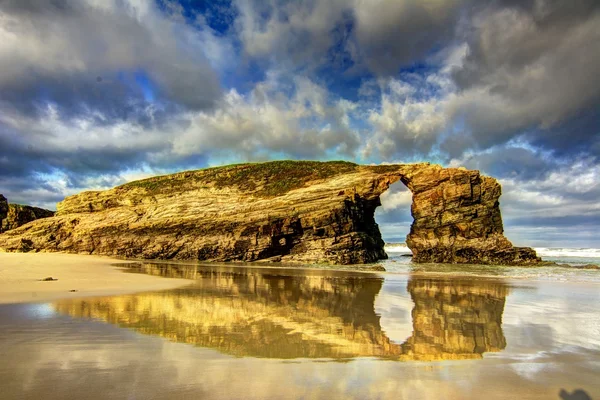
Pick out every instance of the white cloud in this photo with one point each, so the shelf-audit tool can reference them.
(307, 123)
(397, 196)
(46, 44)
(300, 32)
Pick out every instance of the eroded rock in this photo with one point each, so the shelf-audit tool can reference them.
(457, 219)
(286, 211)
(16, 215)
(3, 207)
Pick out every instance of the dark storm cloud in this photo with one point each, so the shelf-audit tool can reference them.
(530, 69)
(578, 134)
(539, 28)
(76, 94)
(512, 162)
(20, 157)
(25, 168)
(398, 33)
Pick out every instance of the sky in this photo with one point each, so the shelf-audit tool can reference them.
(95, 93)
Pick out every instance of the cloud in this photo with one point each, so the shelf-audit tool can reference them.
(298, 33)
(528, 69)
(379, 36)
(409, 117)
(109, 57)
(390, 34)
(305, 122)
(510, 161)
(568, 191)
(522, 72)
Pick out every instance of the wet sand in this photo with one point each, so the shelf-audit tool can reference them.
(21, 277)
(265, 333)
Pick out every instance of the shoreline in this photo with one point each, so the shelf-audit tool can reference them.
(372, 269)
(83, 275)
(78, 275)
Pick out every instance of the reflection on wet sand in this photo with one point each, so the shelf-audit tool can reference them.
(284, 314)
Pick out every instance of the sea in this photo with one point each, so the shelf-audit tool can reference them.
(400, 261)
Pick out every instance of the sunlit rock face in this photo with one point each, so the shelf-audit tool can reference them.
(290, 211)
(15, 215)
(19, 215)
(262, 313)
(457, 219)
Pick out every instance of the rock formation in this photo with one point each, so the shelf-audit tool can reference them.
(264, 313)
(457, 219)
(3, 208)
(15, 215)
(288, 211)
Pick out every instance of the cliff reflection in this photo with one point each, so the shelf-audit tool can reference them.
(284, 314)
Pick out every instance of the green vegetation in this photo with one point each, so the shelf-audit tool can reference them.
(269, 179)
(382, 169)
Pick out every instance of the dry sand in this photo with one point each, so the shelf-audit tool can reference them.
(21, 274)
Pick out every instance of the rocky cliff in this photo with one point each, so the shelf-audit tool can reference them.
(280, 211)
(15, 215)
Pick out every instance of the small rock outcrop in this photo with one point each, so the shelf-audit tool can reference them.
(3, 207)
(15, 215)
(299, 211)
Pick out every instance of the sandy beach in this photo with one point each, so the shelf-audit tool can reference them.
(22, 274)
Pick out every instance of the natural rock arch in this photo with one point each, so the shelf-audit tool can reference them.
(293, 211)
(457, 219)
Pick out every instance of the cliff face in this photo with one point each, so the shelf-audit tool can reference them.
(281, 211)
(15, 215)
(457, 219)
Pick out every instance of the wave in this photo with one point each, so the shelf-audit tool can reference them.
(567, 252)
(399, 248)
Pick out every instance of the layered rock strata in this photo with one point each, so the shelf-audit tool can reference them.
(280, 211)
(15, 215)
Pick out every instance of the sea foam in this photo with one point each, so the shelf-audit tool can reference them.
(567, 252)
(401, 248)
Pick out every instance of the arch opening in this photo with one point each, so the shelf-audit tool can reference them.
(394, 218)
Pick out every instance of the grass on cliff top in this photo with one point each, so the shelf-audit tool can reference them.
(269, 179)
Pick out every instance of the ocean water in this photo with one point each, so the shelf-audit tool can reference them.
(399, 261)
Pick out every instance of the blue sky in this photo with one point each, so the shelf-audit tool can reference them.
(94, 93)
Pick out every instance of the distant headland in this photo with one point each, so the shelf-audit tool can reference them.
(290, 211)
